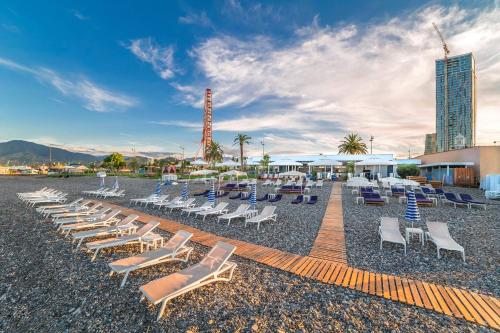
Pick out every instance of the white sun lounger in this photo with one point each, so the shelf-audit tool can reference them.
(173, 250)
(267, 214)
(165, 203)
(106, 220)
(389, 231)
(81, 206)
(217, 210)
(206, 206)
(440, 235)
(135, 238)
(75, 203)
(84, 212)
(97, 215)
(125, 226)
(189, 203)
(239, 212)
(57, 198)
(209, 270)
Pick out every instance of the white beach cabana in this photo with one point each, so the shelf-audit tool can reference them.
(324, 162)
(229, 163)
(375, 162)
(204, 172)
(235, 173)
(199, 162)
(289, 164)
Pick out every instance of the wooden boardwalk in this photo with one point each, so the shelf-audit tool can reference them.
(330, 241)
(460, 303)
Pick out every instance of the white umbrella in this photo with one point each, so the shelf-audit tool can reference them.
(203, 172)
(199, 162)
(325, 162)
(236, 173)
(293, 173)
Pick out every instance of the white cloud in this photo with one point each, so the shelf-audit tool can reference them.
(376, 79)
(197, 19)
(160, 57)
(178, 123)
(95, 98)
(79, 15)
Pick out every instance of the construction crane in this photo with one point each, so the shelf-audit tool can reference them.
(206, 139)
(446, 52)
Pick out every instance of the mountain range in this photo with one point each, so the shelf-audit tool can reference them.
(25, 152)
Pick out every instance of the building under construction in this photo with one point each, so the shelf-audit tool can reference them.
(455, 102)
(206, 138)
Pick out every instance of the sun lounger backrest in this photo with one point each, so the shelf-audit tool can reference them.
(451, 196)
(389, 223)
(221, 206)
(268, 211)
(146, 229)
(128, 219)
(466, 197)
(438, 229)
(178, 240)
(241, 208)
(219, 254)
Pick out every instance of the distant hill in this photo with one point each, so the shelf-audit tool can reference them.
(25, 152)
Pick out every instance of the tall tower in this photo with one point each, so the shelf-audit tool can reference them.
(206, 139)
(455, 102)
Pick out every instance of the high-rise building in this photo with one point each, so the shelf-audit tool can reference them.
(430, 143)
(455, 102)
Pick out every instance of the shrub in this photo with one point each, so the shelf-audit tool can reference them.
(405, 170)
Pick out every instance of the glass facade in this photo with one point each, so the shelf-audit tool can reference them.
(430, 143)
(455, 101)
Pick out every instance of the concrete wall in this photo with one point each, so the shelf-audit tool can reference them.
(490, 160)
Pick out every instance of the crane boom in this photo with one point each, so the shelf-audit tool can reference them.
(445, 47)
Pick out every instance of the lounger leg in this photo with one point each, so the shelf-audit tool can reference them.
(124, 279)
(79, 243)
(463, 255)
(111, 273)
(162, 308)
(439, 255)
(95, 255)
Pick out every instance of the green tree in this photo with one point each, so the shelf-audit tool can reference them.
(114, 161)
(352, 144)
(241, 140)
(133, 164)
(214, 152)
(265, 160)
(405, 170)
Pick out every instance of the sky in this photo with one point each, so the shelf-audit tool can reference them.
(129, 76)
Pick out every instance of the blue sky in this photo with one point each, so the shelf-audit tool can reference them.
(102, 76)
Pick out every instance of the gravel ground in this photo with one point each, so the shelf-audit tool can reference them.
(476, 230)
(295, 230)
(47, 287)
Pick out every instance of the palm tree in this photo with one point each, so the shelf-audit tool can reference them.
(241, 139)
(214, 152)
(352, 144)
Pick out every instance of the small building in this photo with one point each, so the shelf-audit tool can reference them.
(481, 160)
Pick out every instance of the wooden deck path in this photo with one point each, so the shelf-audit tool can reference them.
(460, 303)
(330, 241)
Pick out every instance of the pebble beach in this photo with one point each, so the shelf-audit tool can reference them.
(47, 286)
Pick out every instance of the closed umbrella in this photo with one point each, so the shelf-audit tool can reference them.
(116, 185)
(185, 192)
(158, 188)
(102, 183)
(252, 199)
(211, 195)
(412, 215)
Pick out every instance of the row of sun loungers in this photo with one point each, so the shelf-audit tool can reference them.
(437, 233)
(43, 196)
(106, 193)
(116, 232)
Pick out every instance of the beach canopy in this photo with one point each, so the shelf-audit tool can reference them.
(203, 172)
(252, 163)
(285, 163)
(412, 215)
(392, 180)
(325, 162)
(375, 161)
(293, 173)
(236, 173)
(228, 163)
(199, 162)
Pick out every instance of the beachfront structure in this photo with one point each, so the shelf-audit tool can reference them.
(386, 166)
(481, 160)
(455, 102)
(430, 143)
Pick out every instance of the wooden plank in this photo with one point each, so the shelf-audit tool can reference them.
(335, 273)
(352, 282)
(392, 285)
(468, 306)
(324, 270)
(378, 282)
(366, 278)
(440, 300)
(311, 268)
(423, 295)
(311, 264)
(449, 302)
(329, 273)
(478, 307)
(458, 304)
(347, 277)
(432, 298)
(491, 303)
(399, 289)
(371, 284)
(317, 270)
(407, 291)
(415, 294)
(340, 277)
(385, 285)
(495, 320)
